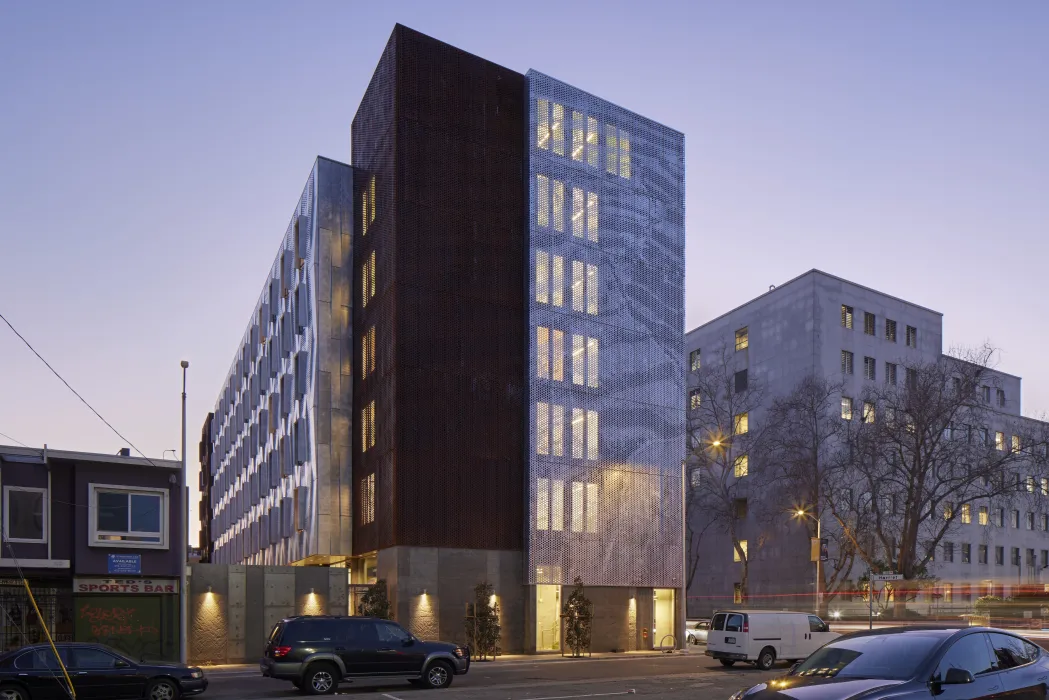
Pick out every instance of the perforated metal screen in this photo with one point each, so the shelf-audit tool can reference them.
(606, 322)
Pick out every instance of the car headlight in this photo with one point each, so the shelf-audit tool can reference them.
(738, 695)
(458, 651)
(196, 673)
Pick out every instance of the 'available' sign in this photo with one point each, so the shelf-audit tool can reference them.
(123, 585)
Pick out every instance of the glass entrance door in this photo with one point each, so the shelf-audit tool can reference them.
(662, 617)
(547, 617)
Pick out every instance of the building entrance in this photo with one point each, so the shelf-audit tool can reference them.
(547, 617)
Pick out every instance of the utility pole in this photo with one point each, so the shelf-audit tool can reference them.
(183, 538)
(870, 598)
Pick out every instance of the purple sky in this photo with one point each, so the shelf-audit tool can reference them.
(152, 154)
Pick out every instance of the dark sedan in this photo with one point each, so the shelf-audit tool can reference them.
(908, 663)
(97, 672)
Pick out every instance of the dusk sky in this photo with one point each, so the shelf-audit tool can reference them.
(152, 154)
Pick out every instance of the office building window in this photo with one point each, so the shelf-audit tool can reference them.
(999, 441)
(367, 206)
(966, 512)
(591, 216)
(695, 360)
(578, 285)
(578, 432)
(986, 394)
(591, 289)
(890, 330)
(737, 593)
(543, 124)
(948, 551)
(912, 337)
(1030, 484)
(740, 381)
(557, 129)
(1045, 558)
(559, 206)
(890, 373)
(966, 553)
(736, 551)
(617, 149)
(557, 505)
(846, 362)
(368, 499)
(742, 339)
(1030, 521)
(25, 514)
(542, 428)
(869, 364)
(999, 517)
(368, 426)
(1045, 522)
(741, 466)
(368, 353)
(982, 515)
(1016, 443)
(982, 554)
(578, 212)
(558, 365)
(868, 323)
(591, 435)
(557, 430)
(578, 359)
(868, 412)
(542, 361)
(542, 200)
(846, 408)
(368, 280)
(1001, 397)
(122, 517)
(999, 556)
(578, 492)
(591, 142)
(694, 399)
(542, 277)
(542, 504)
(592, 365)
(1015, 518)
(592, 508)
(1014, 556)
(912, 378)
(578, 125)
(1044, 486)
(557, 296)
(846, 316)
(740, 424)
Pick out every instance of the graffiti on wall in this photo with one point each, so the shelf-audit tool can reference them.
(129, 624)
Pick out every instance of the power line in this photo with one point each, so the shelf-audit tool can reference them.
(68, 386)
(13, 440)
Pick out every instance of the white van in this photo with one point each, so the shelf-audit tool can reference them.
(763, 637)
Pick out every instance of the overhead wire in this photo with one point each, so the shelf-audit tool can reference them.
(4, 435)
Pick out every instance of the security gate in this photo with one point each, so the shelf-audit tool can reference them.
(19, 624)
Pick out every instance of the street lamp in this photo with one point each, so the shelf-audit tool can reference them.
(183, 535)
(802, 513)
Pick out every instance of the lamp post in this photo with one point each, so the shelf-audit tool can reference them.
(800, 513)
(183, 537)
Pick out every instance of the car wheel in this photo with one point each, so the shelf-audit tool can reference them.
(162, 689)
(320, 679)
(727, 662)
(766, 658)
(12, 692)
(438, 675)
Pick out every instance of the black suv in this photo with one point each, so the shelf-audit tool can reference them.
(315, 653)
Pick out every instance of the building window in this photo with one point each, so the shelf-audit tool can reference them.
(591, 217)
(557, 431)
(1045, 523)
(986, 394)
(846, 408)
(558, 372)
(694, 399)
(368, 353)
(912, 337)
(1030, 484)
(542, 428)
(999, 441)
(578, 492)
(1044, 486)
(542, 359)
(617, 148)
(1015, 518)
(912, 378)
(25, 514)
(846, 316)
(591, 142)
(542, 277)
(577, 135)
(542, 200)
(557, 295)
(999, 556)
(890, 373)
(592, 366)
(368, 280)
(982, 554)
(740, 381)
(578, 359)
(368, 426)
(966, 553)
(578, 285)
(737, 593)
(869, 365)
(542, 504)
(557, 129)
(846, 362)
(578, 212)
(557, 505)
(559, 206)
(368, 499)
(1016, 443)
(742, 339)
(890, 330)
(1015, 556)
(1045, 558)
(982, 515)
(868, 412)
(1000, 517)
(868, 323)
(948, 551)
(966, 514)
(367, 206)
(1030, 521)
(543, 124)
(741, 466)
(695, 360)
(740, 424)
(735, 551)
(126, 517)
(1001, 397)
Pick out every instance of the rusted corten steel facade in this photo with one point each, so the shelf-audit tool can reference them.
(440, 208)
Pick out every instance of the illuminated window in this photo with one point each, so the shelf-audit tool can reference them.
(846, 408)
(578, 359)
(1044, 486)
(591, 507)
(742, 339)
(543, 124)
(999, 441)
(578, 432)
(591, 289)
(368, 353)
(368, 280)
(890, 330)
(1016, 443)
(542, 504)
(624, 155)
(1030, 484)
(559, 356)
(591, 362)
(542, 277)
(591, 142)
(578, 212)
(559, 206)
(611, 150)
(557, 129)
(694, 399)
(558, 431)
(868, 412)
(368, 426)
(542, 428)
(737, 593)
(740, 424)
(578, 494)
(542, 341)
(542, 200)
(364, 212)
(577, 136)
(557, 506)
(591, 435)
(846, 316)
(558, 295)
(741, 466)
(967, 516)
(368, 499)
(591, 216)
(846, 362)
(695, 360)
(735, 551)
(578, 289)
(948, 511)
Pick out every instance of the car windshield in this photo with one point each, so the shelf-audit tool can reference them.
(888, 656)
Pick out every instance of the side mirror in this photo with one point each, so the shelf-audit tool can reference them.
(122, 664)
(408, 642)
(957, 676)
(793, 668)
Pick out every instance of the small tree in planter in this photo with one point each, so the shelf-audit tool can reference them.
(375, 602)
(482, 622)
(578, 614)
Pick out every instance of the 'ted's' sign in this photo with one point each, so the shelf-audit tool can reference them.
(123, 586)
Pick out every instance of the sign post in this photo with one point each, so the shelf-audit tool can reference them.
(871, 578)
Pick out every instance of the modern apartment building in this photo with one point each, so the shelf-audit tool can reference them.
(516, 259)
(824, 325)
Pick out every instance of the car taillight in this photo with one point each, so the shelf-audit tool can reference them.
(746, 626)
(278, 652)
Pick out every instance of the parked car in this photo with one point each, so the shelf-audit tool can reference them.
(316, 653)
(762, 637)
(696, 631)
(97, 671)
(915, 663)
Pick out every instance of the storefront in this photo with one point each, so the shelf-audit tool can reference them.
(138, 616)
(19, 623)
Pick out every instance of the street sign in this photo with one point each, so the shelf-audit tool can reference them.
(887, 577)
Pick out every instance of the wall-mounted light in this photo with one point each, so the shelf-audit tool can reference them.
(311, 592)
(209, 589)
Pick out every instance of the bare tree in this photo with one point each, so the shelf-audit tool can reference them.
(727, 439)
(928, 454)
(807, 442)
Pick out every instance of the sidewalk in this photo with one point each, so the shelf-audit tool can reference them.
(506, 660)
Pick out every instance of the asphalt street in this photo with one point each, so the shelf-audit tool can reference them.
(666, 676)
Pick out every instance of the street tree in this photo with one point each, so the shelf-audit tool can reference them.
(375, 601)
(578, 615)
(482, 622)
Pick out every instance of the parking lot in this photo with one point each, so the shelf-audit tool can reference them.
(659, 675)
